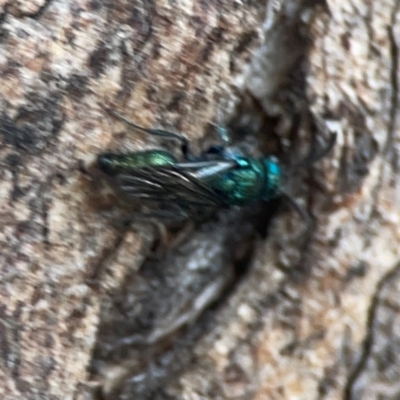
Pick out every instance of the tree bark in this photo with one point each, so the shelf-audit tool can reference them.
(88, 313)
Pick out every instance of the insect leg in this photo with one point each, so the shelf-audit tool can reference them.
(304, 236)
(157, 219)
(304, 215)
(324, 151)
(156, 132)
(313, 156)
(183, 235)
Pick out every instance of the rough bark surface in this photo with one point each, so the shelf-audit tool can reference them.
(86, 314)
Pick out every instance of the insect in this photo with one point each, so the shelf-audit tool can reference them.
(194, 186)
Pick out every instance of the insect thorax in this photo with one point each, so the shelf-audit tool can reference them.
(272, 178)
(252, 180)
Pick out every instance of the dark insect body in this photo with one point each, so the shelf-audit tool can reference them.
(194, 186)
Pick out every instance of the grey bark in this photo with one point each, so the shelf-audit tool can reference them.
(87, 312)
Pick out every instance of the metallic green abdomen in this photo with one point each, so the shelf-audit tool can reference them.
(114, 164)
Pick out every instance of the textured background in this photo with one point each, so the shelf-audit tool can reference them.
(316, 318)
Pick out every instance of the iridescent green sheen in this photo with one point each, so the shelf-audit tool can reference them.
(249, 182)
(273, 178)
(114, 164)
(195, 186)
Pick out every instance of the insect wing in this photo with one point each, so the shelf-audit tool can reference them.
(179, 183)
(207, 170)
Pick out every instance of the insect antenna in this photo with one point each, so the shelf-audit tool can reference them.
(223, 135)
(221, 129)
(156, 132)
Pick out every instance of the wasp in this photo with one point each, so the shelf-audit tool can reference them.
(195, 186)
